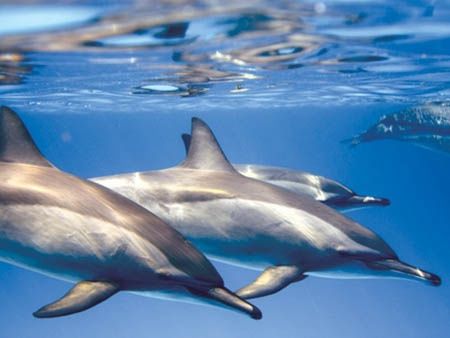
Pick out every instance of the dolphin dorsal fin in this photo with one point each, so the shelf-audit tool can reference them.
(16, 144)
(186, 141)
(204, 151)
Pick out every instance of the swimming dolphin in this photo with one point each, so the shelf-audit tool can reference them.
(62, 226)
(250, 223)
(322, 189)
(426, 125)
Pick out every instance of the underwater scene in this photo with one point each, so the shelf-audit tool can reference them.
(213, 169)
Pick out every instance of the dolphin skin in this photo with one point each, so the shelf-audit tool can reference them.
(427, 125)
(322, 189)
(250, 223)
(68, 228)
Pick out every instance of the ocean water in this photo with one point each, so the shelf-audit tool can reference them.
(108, 87)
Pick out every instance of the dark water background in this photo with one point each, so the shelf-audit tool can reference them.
(109, 87)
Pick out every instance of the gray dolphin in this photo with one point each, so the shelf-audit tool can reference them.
(427, 125)
(322, 189)
(62, 226)
(250, 223)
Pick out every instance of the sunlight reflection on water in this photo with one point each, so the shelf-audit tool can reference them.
(343, 52)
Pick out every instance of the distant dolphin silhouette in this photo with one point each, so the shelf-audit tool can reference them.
(247, 222)
(426, 125)
(57, 224)
(322, 189)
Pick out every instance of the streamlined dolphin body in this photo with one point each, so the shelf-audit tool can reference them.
(72, 229)
(426, 125)
(247, 222)
(322, 189)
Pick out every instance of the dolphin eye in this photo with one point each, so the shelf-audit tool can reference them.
(376, 266)
(163, 274)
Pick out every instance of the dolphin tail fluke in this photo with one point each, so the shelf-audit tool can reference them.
(407, 271)
(82, 296)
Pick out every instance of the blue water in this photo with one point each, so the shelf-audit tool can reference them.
(109, 87)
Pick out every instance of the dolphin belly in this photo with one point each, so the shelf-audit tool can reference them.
(44, 239)
(347, 270)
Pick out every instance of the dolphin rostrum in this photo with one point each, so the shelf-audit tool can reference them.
(426, 125)
(247, 222)
(322, 189)
(65, 227)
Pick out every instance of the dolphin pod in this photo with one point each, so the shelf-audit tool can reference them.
(426, 125)
(322, 189)
(68, 228)
(250, 223)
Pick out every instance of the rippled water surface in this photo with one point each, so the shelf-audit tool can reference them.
(235, 54)
(109, 87)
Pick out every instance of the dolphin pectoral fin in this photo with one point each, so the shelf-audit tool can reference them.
(272, 280)
(82, 296)
(229, 300)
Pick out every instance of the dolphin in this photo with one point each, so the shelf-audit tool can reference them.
(250, 223)
(72, 229)
(322, 189)
(426, 125)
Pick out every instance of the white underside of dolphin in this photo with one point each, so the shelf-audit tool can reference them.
(71, 229)
(247, 222)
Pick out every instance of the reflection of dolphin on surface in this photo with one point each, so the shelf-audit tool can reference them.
(68, 228)
(427, 125)
(322, 189)
(254, 224)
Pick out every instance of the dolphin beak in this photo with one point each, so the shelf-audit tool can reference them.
(352, 141)
(356, 202)
(431, 278)
(369, 200)
(406, 271)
